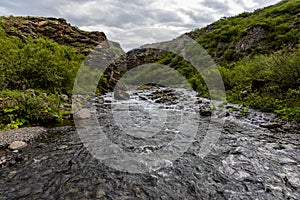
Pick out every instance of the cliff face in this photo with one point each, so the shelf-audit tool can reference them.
(55, 29)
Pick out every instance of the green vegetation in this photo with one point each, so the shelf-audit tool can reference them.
(248, 34)
(279, 74)
(258, 56)
(34, 75)
(21, 108)
(261, 46)
(37, 64)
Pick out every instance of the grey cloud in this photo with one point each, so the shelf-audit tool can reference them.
(31, 7)
(133, 22)
(120, 15)
(199, 16)
(163, 16)
(221, 7)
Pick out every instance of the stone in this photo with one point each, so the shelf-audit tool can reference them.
(83, 114)
(12, 174)
(270, 125)
(17, 145)
(121, 95)
(42, 23)
(205, 112)
(101, 100)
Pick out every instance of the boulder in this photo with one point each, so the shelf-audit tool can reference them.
(17, 145)
(121, 95)
(83, 114)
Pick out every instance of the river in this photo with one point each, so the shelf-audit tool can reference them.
(245, 161)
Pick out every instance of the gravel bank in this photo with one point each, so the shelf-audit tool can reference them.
(22, 134)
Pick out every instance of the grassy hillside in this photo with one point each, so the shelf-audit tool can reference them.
(258, 55)
(248, 34)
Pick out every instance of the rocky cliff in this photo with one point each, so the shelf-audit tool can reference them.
(55, 29)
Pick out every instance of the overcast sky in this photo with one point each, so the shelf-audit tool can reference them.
(133, 23)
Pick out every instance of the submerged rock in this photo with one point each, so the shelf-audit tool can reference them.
(121, 95)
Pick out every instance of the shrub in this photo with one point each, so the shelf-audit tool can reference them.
(20, 108)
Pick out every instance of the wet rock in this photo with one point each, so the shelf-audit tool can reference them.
(17, 145)
(205, 112)
(270, 125)
(121, 95)
(100, 100)
(3, 160)
(108, 101)
(63, 147)
(83, 114)
(143, 98)
(199, 101)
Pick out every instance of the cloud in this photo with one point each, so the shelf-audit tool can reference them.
(136, 22)
(217, 5)
(3, 11)
(31, 7)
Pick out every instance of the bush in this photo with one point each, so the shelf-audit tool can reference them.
(20, 108)
(38, 63)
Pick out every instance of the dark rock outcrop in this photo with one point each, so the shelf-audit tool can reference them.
(251, 40)
(55, 29)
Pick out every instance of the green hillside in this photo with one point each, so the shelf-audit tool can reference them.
(258, 55)
(248, 34)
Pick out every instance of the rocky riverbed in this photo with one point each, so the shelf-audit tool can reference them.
(255, 156)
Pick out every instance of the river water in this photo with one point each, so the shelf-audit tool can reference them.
(246, 161)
